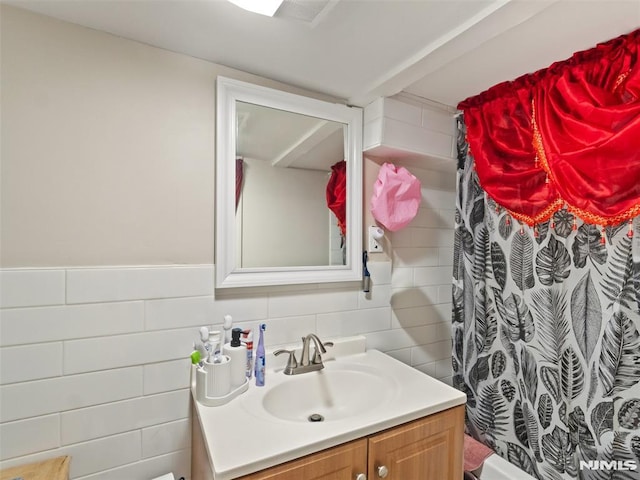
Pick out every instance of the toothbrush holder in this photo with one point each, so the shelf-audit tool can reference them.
(211, 383)
(218, 377)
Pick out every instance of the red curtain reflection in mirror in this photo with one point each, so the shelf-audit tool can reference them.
(337, 194)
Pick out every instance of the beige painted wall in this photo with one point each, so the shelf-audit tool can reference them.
(107, 148)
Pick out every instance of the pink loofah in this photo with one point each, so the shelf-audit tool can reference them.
(396, 197)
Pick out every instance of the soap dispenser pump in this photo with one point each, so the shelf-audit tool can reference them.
(237, 352)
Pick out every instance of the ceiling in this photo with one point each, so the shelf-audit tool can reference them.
(358, 50)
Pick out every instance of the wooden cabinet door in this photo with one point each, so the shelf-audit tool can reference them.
(426, 449)
(343, 462)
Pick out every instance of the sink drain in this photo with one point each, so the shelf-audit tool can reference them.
(316, 417)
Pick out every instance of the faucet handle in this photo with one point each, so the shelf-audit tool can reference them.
(316, 356)
(292, 363)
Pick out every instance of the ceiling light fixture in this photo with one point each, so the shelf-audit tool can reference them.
(263, 7)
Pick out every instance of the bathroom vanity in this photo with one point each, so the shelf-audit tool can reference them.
(429, 448)
(379, 419)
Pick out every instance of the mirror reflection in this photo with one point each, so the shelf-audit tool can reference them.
(290, 189)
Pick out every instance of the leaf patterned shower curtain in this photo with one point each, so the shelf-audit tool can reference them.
(546, 341)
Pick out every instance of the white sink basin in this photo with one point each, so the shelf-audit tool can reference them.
(339, 390)
(358, 393)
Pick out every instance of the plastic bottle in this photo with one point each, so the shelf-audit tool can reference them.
(210, 344)
(214, 346)
(217, 352)
(247, 340)
(260, 357)
(238, 355)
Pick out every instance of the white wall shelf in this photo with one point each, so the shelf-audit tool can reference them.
(398, 130)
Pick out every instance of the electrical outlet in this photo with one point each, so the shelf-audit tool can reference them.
(374, 245)
(375, 239)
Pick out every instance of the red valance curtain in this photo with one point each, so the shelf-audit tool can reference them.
(568, 135)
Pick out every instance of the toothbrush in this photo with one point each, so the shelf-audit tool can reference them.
(226, 325)
(196, 357)
(204, 336)
(260, 357)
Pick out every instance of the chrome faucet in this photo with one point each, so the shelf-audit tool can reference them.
(305, 365)
(317, 359)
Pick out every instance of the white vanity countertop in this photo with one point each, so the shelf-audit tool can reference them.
(240, 441)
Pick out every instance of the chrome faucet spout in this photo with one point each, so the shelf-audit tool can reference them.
(305, 360)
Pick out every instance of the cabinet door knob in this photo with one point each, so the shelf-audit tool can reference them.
(361, 476)
(383, 471)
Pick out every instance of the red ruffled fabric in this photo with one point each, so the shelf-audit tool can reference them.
(337, 194)
(566, 135)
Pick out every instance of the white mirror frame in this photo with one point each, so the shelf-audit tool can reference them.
(228, 274)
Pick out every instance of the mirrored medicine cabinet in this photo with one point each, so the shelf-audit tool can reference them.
(288, 188)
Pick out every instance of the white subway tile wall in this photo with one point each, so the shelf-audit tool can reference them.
(422, 258)
(166, 438)
(26, 436)
(31, 287)
(94, 362)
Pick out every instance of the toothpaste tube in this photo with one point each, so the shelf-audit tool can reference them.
(247, 339)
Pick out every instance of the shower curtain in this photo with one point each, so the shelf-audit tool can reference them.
(546, 340)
